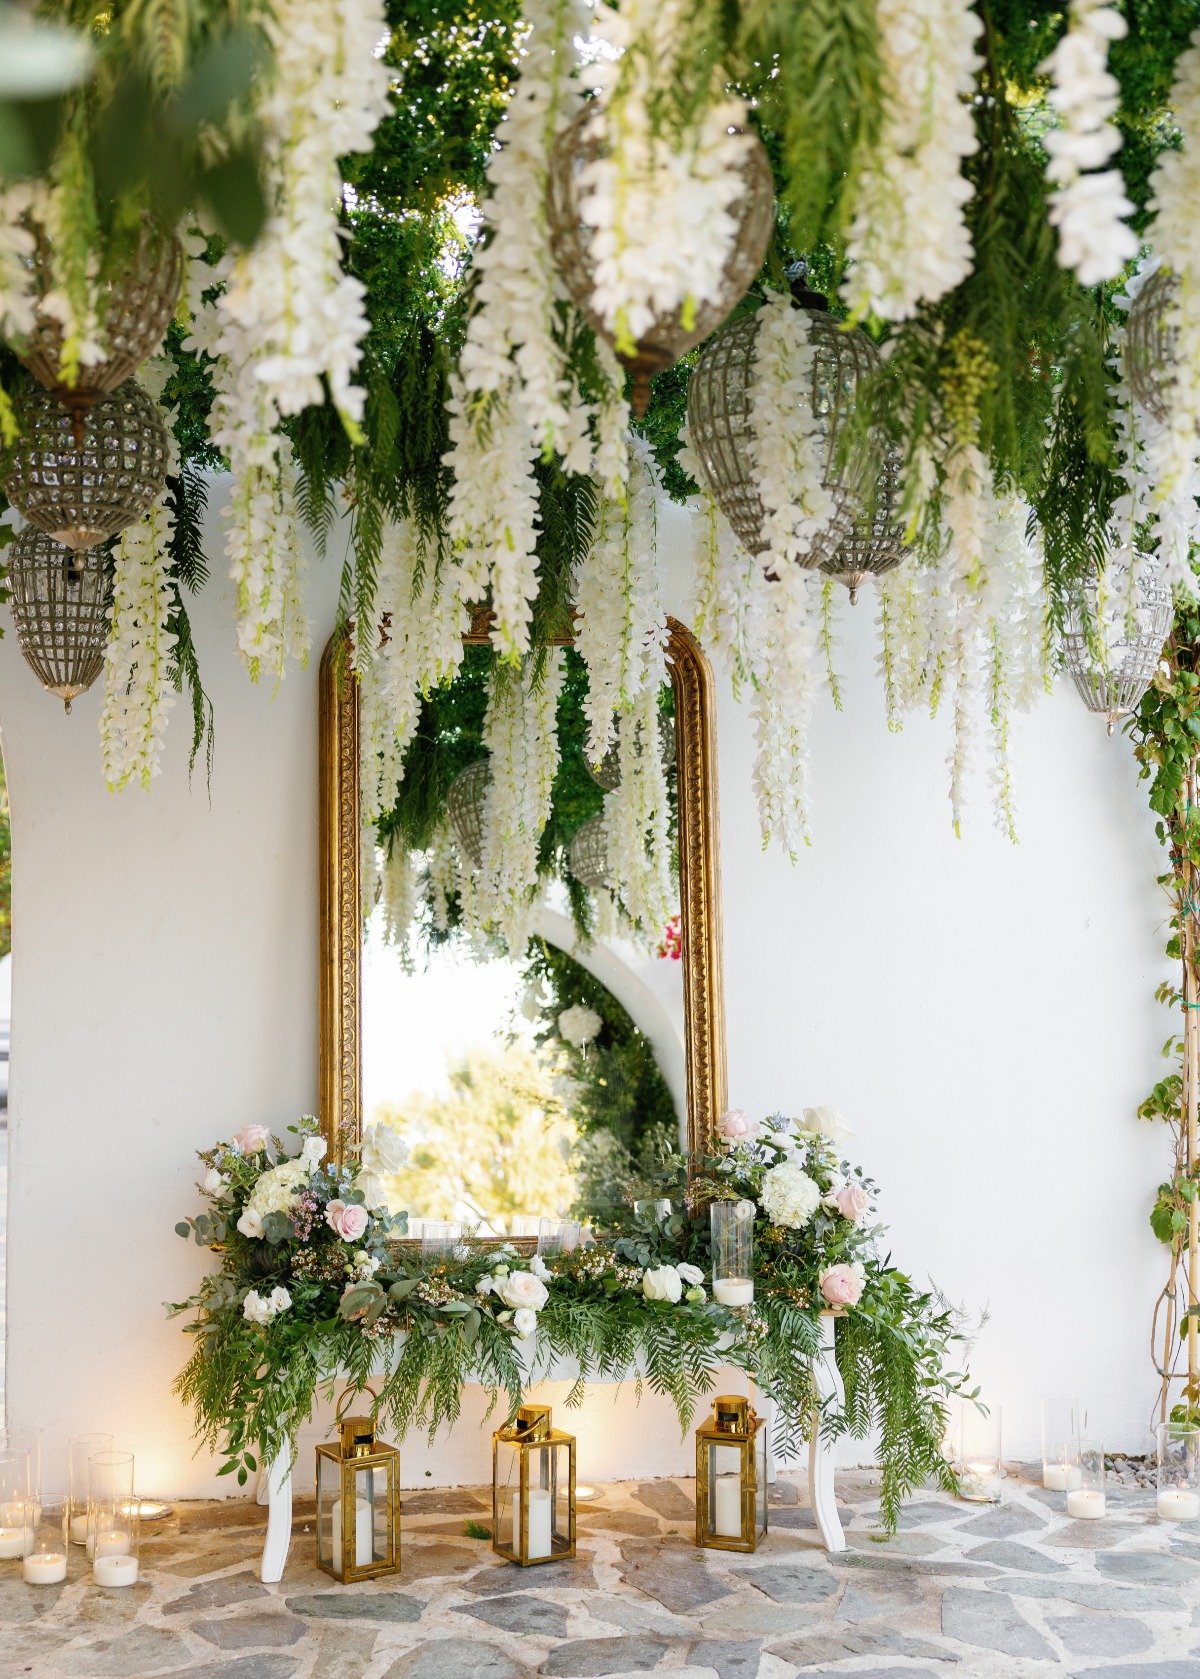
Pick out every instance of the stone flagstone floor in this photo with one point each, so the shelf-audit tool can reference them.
(1006, 1592)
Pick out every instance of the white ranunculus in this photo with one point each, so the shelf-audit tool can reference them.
(256, 1309)
(690, 1273)
(539, 1267)
(251, 1224)
(521, 1288)
(214, 1182)
(383, 1150)
(313, 1151)
(789, 1196)
(827, 1122)
(524, 1321)
(579, 1025)
(744, 1210)
(280, 1300)
(662, 1283)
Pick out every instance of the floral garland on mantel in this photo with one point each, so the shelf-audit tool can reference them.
(315, 1280)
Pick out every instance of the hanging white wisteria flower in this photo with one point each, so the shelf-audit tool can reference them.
(782, 655)
(1089, 202)
(637, 844)
(621, 628)
(262, 545)
(138, 692)
(1172, 449)
(785, 439)
(909, 242)
(661, 204)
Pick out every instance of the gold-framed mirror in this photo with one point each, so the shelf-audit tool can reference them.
(341, 926)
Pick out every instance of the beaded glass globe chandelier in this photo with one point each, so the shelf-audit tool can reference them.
(60, 603)
(1113, 666)
(82, 493)
(874, 544)
(588, 855)
(571, 244)
(1150, 342)
(466, 802)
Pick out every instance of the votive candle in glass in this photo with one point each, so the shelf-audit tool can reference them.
(112, 1540)
(1060, 1442)
(80, 1449)
(45, 1561)
(17, 1510)
(1085, 1500)
(731, 1224)
(977, 1462)
(1178, 1471)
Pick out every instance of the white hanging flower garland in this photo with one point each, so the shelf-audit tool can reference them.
(784, 435)
(637, 847)
(1089, 202)
(909, 243)
(138, 693)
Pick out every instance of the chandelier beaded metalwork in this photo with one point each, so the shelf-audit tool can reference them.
(136, 305)
(1113, 665)
(1151, 342)
(588, 855)
(80, 494)
(875, 544)
(466, 805)
(607, 773)
(571, 245)
(718, 415)
(60, 607)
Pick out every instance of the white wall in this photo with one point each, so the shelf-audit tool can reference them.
(981, 1013)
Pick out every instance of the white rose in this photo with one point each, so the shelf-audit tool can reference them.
(251, 1224)
(789, 1196)
(579, 1025)
(662, 1283)
(524, 1321)
(690, 1273)
(214, 1182)
(539, 1267)
(383, 1150)
(280, 1300)
(313, 1151)
(256, 1309)
(521, 1288)
(826, 1122)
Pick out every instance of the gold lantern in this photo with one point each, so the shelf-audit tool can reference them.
(533, 1489)
(731, 1476)
(358, 1472)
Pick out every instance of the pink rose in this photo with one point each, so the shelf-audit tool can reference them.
(842, 1285)
(251, 1138)
(737, 1127)
(851, 1201)
(347, 1219)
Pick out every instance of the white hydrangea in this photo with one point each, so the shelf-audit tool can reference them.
(579, 1025)
(789, 1196)
(277, 1189)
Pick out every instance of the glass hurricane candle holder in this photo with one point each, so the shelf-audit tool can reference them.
(731, 1476)
(533, 1489)
(80, 1450)
(112, 1534)
(550, 1239)
(1085, 1500)
(439, 1237)
(45, 1561)
(16, 1507)
(732, 1227)
(1060, 1443)
(1178, 1471)
(977, 1464)
(360, 1472)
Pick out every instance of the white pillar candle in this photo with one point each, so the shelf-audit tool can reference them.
(79, 1530)
(1085, 1504)
(727, 1517)
(115, 1570)
(733, 1291)
(539, 1525)
(1061, 1477)
(364, 1534)
(1178, 1504)
(44, 1568)
(15, 1541)
(111, 1542)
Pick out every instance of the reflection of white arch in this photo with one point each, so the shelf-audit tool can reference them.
(648, 1014)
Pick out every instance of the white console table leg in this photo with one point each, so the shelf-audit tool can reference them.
(821, 1495)
(279, 1519)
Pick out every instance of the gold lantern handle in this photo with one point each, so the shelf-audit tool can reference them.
(358, 1433)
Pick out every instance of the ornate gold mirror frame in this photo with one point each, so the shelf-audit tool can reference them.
(699, 892)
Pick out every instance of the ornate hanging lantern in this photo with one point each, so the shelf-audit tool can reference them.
(358, 1472)
(731, 1477)
(1113, 680)
(60, 607)
(533, 1489)
(874, 544)
(718, 415)
(571, 244)
(466, 802)
(1151, 342)
(82, 493)
(588, 855)
(136, 308)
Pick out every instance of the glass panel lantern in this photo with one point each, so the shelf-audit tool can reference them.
(358, 1472)
(533, 1489)
(731, 1476)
